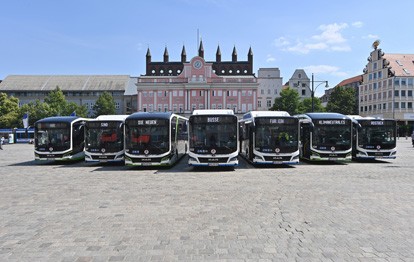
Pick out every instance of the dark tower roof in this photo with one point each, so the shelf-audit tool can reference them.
(183, 55)
(165, 55)
(221, 68)
(234, 55)
(201, 50)
(148, 56)
(250, 56)
(218, 54)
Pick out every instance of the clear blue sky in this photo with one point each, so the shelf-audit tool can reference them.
(331, 39)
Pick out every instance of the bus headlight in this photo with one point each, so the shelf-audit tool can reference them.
(165, 159)
(233, 159)
(192, 159)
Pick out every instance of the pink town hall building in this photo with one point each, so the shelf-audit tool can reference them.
(183, 86)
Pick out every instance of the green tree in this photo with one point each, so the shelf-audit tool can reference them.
(105, 105)
(37, 110)
(342, 100)
(9, 111)
(288, 101)
(71, 107)
(57, 102)
(305, 105)
(60, 107)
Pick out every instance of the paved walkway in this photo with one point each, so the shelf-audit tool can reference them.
(308, 212)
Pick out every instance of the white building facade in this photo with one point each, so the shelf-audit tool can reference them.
(270, 85)
(387, 87)
(300, 82)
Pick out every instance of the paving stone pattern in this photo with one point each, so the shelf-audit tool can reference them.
(360, 211)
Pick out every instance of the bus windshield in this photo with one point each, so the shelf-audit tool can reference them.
(151, 135)
(106, 135)
(220, 133)
(370, 137)
(53, 135)
(325, 137)
(282, 134)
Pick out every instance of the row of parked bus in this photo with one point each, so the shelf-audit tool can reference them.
(215, 138)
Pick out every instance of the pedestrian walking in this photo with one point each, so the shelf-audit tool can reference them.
(1, 142)
(412, 138)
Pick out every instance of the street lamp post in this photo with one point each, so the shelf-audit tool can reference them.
(314, 89)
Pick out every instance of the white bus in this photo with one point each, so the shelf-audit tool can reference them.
(155, 138)
(60, 138)
(269, 137)
(325, 136)
(213, 138)
(374, 138)
(104, 139)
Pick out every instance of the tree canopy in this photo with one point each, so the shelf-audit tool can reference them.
(9, 108)
(288, 101)
(54, 104)
(105, 105)
(342, 100)
(305, 105)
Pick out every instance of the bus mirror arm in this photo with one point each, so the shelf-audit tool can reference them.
(311, 126)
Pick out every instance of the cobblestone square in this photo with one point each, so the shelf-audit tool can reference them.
(359, 211)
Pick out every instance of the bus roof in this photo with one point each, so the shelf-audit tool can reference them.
(64, 119)
(150, 115)
(213, 112)
(110, 118)
(362, 118)
(323, 115)
(265, 114)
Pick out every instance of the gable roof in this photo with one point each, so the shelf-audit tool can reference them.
(401, 64)
(355, 79)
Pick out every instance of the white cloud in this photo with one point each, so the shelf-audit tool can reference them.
(317, 46)
(281, 41)
(330, 39)
(370, 36)
(331, 33)
(270, 59)
(358, 24)
(325, 69)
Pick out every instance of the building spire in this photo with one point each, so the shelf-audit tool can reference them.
(250, 56)
(218, 54)
(166, 55)
(234, 55)
(201, 49)
(148, 56)
(183, 55)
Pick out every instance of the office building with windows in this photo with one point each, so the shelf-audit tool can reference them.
(300, 82)
(183, 86)
(387, 87)
(269, 86)
(81, 89)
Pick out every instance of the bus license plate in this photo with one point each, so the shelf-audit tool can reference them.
(277, 162)
(213, 164)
